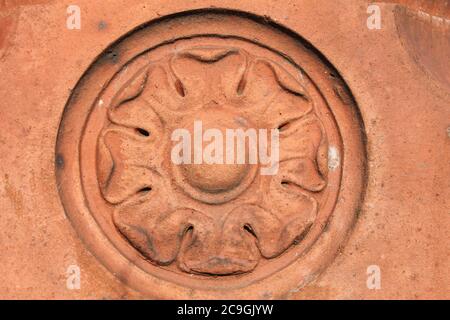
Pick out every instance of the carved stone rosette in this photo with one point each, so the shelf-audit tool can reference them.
(171, 230)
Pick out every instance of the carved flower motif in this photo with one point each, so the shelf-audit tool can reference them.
(211, 219)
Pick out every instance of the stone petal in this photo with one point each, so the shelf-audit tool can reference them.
(160, 237)
(286, 108)
(209, 73)
(223, 252)
(301, 138)
(130, 146)
(161, 91)
(265, 80)
(288, 82)
(132, 88)
(208, 54)
(261, 85)
(244, 221)
(288, 200)
(126, 181)
(295, 209)
(138, 114)
(129, 171)
(302, 172)
(250, 227)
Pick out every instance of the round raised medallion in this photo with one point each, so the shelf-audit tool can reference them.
(212, 155)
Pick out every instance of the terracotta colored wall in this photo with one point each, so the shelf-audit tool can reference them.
(93, 206)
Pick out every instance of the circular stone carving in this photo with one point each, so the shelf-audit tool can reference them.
(170, 229)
